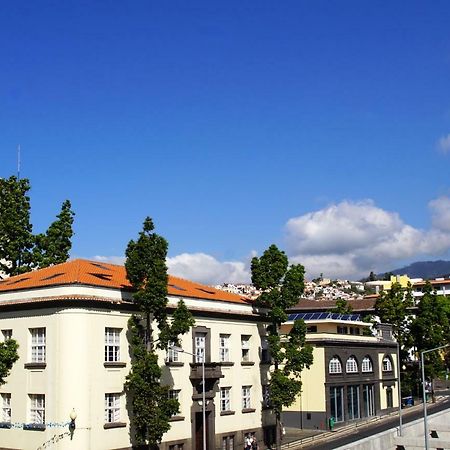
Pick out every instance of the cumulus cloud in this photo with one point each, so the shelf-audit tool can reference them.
(349, 239)
(443, 144)
(206, 269)
(198, 267)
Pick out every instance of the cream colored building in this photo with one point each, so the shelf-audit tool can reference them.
(70, 321)
(353, 376)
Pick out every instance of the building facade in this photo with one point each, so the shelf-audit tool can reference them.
(353, 376)
(71, 322)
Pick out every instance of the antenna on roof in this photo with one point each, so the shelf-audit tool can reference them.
(18, 162)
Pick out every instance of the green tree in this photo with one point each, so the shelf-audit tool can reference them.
(281, 287)
(372, 276)
(430, 329)
(16, 238)
(54, 246)
(151, 330)
(342, 307)
(393, 306)
(8, 356)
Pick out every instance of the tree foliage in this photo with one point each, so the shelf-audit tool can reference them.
(8, 356)
(394, 307)
(430, 329)
(151, 330)
(16, 238)
(54, 246)
(20, 250)
(342, 307)
(281, 287)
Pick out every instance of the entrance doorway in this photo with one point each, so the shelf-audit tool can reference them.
(199, 430)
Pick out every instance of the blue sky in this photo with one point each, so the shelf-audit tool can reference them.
(323, 127)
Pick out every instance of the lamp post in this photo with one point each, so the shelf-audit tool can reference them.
(181, 350)
(400, 417)
(425, 424)
(73, 416)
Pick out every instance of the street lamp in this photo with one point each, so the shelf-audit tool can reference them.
(73, 416)
(399, 392)
(425, 424)
(181, 350)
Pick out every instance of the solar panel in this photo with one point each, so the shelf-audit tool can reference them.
(324, 316)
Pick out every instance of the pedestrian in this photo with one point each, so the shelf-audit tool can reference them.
(254, 442)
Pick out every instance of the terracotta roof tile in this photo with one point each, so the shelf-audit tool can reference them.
(94, 273)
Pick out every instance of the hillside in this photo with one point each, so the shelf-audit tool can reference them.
(425, 269)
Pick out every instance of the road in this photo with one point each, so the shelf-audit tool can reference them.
(370, 430)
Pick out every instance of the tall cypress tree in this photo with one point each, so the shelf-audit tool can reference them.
(151, 330)
(281, 287)
(54, 246)
(16, 238)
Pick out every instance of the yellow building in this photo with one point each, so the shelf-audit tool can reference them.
(353, 376)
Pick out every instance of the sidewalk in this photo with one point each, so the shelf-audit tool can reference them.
(297, 438)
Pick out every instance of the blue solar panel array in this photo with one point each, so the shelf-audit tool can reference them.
(324, 316)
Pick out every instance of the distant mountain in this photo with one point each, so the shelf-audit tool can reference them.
(424, 269)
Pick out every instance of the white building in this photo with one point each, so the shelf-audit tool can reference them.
(70, 321)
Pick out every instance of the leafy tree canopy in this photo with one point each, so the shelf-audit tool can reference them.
(8, 356)
(147, 271)
(342, 307)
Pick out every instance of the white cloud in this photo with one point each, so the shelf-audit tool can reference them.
(443, 144)
(206, 269)
(198, 267)
(349, 239)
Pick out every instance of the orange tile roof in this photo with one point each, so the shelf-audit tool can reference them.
(94, 273)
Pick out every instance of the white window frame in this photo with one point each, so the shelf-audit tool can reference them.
(112, 407)
(7, 334)
(351, 366)
(387, 364)
(245, 347)
(246, 397)
(366, 365)
(200, 347)
(335, 365)
(38, 344)
(172, 354)
(37, 408)
(225, 401)
(224, 347)
(6, 407)
(112, 344)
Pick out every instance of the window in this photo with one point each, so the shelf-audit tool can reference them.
(387, 364)
(172, 354)
(200, 347)
(369, 399)
(176, 447)
(7, 334)
(351, 365)
(37, 345)
(174, 393)
(245, 346)
(224, 347)
(353, 402)
(311, 329)
(6, 408)
(225, 404)
(335, 365)
(265, 353)
(337, 403)
(366, 365)
(389, 398)
(37, 408)
(228, 443)
(342, 330)
(246, 404)
(112, 408)
(112, 344)
(265, 396)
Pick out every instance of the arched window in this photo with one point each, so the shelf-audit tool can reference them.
(366, 365)
(387, 364)
(351, 366)
(335, 365)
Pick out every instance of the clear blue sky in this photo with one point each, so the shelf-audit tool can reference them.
(223, 120)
